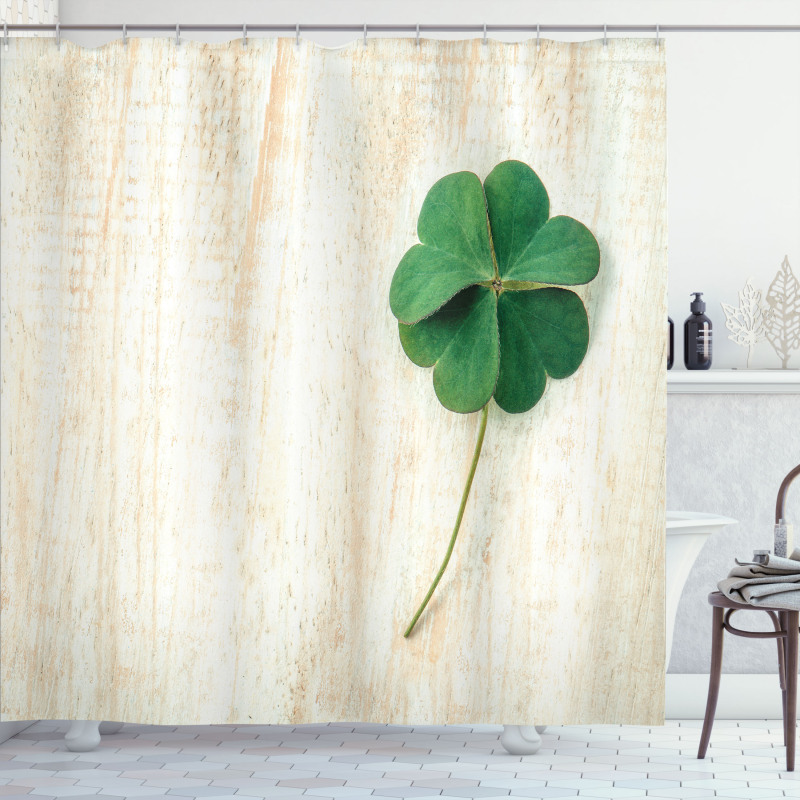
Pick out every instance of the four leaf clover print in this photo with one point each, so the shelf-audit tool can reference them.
(480, 298)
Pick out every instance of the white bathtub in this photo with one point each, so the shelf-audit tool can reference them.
(687, 532)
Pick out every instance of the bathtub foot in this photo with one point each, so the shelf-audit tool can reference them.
(521, 740)
(83, 735)
(113, 727)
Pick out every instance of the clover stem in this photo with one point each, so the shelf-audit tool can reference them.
(491, 247)
(464, 496)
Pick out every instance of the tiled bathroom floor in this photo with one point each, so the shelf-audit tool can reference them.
(349, 760)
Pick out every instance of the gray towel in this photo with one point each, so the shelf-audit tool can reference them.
(775, 584)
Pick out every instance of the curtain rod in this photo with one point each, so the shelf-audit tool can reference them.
(296, 29)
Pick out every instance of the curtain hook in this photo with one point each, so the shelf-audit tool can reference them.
(125, 34)
(58, 35)
(605, 35)
(418, 34)
(538, 40)
(484, 33)
(244, 34)
(297, 35)
(177, 35)
(658, 43)
(5, 36)
(365, 35)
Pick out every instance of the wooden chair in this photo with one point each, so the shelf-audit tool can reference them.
(785, 623)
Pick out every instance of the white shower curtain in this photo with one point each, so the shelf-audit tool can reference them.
(224, 486)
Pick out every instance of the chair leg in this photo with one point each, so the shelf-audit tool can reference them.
(785, 729)
(790, 717)
(717, 632)
(781, 642)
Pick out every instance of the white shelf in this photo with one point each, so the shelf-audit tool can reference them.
(734, 381)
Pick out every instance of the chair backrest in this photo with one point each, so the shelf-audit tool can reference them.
(779, 515)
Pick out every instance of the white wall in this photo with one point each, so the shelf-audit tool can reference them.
(727, 454)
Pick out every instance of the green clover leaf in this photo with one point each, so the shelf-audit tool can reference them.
(479, 298)
(455, 252)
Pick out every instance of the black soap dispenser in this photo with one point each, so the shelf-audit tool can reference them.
(697, 336)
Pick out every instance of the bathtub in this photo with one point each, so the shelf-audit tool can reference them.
(687, 532)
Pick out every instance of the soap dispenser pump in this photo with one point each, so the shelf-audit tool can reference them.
(697, 336)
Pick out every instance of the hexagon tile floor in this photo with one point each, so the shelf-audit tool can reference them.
(350, 760)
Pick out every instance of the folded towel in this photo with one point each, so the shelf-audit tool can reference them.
(775, 583)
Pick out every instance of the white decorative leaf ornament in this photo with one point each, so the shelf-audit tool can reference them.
(747, 323)
(783, 325)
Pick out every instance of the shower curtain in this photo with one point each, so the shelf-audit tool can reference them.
(224, 486)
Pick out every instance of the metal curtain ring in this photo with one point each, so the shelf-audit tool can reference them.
(5, 35)
(605, 35)
(418, 34)
(58, 35)
(484, 33)
(658, 43)
(125, 34)
(244, 35)
(297, 35)
(177, 34)
(365, 35)
(538, 40)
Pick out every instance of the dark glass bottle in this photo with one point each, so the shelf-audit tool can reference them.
(697, 336)
(671, 350)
